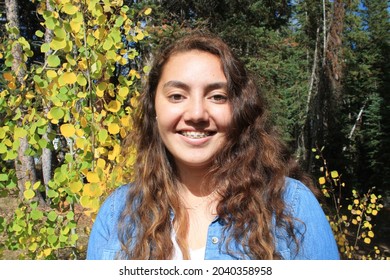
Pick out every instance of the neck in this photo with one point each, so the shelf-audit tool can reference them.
(192, 181)
(196, 194)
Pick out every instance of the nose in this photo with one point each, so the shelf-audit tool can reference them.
(196, 110)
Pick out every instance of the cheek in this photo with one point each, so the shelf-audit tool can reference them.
(225, 117)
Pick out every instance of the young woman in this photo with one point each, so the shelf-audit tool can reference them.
(212, 179)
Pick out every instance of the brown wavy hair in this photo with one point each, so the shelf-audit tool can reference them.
(253, 163)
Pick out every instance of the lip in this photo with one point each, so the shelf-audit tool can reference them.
(195, 141)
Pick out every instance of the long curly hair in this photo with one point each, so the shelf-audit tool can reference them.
(253, 164)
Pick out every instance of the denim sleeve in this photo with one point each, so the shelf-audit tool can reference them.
(317, 241)
(103, 241)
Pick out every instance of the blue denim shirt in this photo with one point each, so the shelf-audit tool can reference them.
(318, 242)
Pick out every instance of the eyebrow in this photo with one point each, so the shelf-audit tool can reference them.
(184, 86)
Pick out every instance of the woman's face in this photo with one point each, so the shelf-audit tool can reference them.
(192, 108)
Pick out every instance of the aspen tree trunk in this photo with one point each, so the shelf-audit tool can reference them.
(47, 152)
(24, 164)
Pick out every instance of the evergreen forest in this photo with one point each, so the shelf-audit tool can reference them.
(71, 72)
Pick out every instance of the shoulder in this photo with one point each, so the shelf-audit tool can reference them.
(115, 202)
(103, 241)
(298, 195)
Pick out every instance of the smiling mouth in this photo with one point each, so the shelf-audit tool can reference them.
(197, 134)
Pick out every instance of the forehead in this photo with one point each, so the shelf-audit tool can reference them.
(193, 63)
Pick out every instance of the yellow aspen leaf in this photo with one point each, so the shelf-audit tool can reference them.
(93, 177)
(75, 25)
(36, 185)
(367, 224)
(114, 106)
(122, 60)
(58, 43)
(67, 130)
(19, 132)
(132, 73)
(88, 190)
(374, 212)
(99, 33)
(8, 76)
(11, 85)
(123, 132)
(70, 9)
(321, 180)
(140, 36)
(83, 122)
(334, 174)
(46, 252)
(30, 94)
(148, 11)
(85, 201)
(100, 89)
(114, 153)
(123, 92)
(370, 234)
(367, 240)
(76, 187)
(356, 201)
(101, 163)
(79, 132)
(354, 221)
(113, 128)
(134, 101)
(28, 194)
(82, 64)
(69, 78)
(344, 217)
(51, 74)
(125, 121)
(81, 143)
(3, 131)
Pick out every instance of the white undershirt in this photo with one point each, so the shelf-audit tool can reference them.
(197, 254)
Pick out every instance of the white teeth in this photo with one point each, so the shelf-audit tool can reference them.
(195, 134)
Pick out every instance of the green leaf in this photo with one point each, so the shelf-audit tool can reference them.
(3, 148)
(39, 33)
(102, 135)
(52, 193)
(53, 61)
(36, 214)
(52, 216)
(57, 113)
(52, 239)
(60, 33)
(3, 177)
(108, 43)
(45, 47)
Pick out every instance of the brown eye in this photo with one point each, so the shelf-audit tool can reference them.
(176, 97)
(219, 98)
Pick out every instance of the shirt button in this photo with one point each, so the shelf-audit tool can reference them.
(214, 240)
